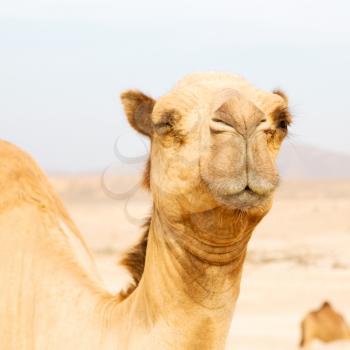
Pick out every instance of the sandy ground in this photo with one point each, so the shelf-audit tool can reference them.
(299, 255)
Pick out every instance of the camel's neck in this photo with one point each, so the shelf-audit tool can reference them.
(192, 276)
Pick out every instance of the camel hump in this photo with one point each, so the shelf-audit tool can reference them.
(324, 324)
(22, 181)
(326, 304)
(20, 176)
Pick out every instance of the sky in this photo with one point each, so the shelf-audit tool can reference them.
(64, 63)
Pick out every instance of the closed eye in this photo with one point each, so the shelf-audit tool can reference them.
(163, 125)
(163, 128)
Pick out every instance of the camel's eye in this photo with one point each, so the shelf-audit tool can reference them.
(163, 128)
(282, 124)
(167, 121)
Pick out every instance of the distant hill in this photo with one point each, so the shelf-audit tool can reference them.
(303, 161)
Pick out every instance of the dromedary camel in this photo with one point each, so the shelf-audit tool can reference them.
(324, 324)
(214, 140)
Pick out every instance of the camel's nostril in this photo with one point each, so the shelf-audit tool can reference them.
(247, 188)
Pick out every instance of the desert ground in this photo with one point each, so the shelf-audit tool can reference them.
(298, 257)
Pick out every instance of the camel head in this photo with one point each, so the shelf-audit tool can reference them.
(214, 141)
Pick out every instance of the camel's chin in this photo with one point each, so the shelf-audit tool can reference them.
(244, 200)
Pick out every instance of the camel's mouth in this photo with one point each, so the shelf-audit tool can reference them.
(238, 195)
(245, 199)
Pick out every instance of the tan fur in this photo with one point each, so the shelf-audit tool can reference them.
(212, 178)
(47, 274)
(324, 324)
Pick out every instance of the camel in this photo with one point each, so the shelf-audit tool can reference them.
(212, 175)
(324, 324)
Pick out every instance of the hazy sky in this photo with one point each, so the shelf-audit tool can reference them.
(63, 64)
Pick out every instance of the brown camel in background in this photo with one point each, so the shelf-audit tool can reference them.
(324, 324)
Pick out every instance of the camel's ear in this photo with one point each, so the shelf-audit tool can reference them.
(282, 94)
(138, 108)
